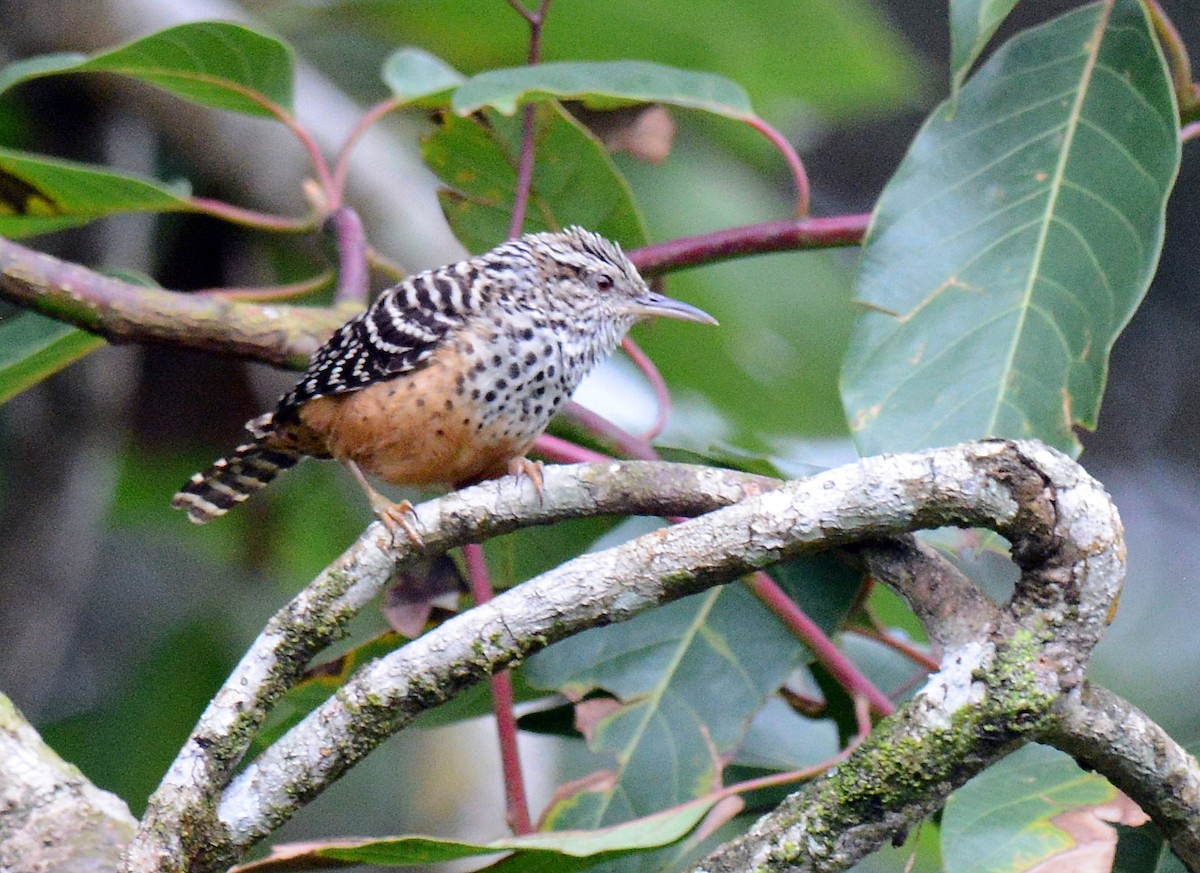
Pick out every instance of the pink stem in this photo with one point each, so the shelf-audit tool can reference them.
(525, 165)
(788, 234)
(248, 217)
(793, 160)
(353, 277)
(502, 704)
(629, 445)
(558, 449)
(661, 394)
(341, 165)
(1189, 131)
(277, 292)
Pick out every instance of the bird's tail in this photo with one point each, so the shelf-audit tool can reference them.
(231, 480)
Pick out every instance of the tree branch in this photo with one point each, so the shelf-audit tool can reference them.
(1116, 739)
(1066, 538)
(53, 817)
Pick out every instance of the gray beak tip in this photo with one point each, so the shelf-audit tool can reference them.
(667, 307)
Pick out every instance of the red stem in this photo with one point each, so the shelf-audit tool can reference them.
(793, 160)
(276, 292)
(341, 165)
(516, 805)
(537, 21)
(248, 217)
(773, 236)
(830, 656)
(558, 449)
(661, 394)
(621, 439)
(354, 283)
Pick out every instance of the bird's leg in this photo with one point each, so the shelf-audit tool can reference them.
(395, 516)
(522, 466)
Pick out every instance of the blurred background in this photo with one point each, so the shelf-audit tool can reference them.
(118, 619)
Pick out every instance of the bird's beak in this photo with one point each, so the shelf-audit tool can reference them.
(653, 303)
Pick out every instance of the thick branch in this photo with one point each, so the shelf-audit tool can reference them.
(51, 816)
(319, 614)
(1115, 738)
(1026, 491)
(1003, 676)
(122, 312)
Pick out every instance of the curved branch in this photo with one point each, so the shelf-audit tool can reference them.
(1066, 537)
(1116, 739)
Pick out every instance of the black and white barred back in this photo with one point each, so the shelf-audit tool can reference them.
(569, 295)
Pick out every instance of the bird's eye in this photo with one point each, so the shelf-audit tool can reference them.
(603, 282)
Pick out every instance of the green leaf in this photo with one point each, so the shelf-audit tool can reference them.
(837, 58)
(214, 63)
(574, 179)
(418, 78)
(602, 85)
(972, 23)
(40, 194)
(1016, 240)
(33, 347)
(670, 734)
(1001, 819)
(560, 850)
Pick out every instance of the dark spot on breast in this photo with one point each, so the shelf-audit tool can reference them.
(530, 359)
(537, 410)
(527, 334)
(480, 367)
(540, 376)
(547, 350)
(490, 397)
(420, 401)
(497, 360)
(514, 370)
(449, 404)
(551, 371)
(501, 384)
(538, 392)
(439, 432)
(475, 394)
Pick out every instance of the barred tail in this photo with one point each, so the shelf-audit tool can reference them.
(231, 480)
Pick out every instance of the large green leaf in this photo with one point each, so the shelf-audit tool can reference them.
(602, 85)
(213, 63)
(562, 850)
(574, 179)
(972, 23)
(835, 57)
(1002, 820)
(1016, 240)
(39, 194)
(669, 734)
(33, 347)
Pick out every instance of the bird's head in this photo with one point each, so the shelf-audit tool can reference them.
(587, 273)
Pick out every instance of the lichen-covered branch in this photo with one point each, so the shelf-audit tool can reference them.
(282, 335)
(1116, 739)
(319, 614)
(1005, 675)
(51, 816)
(1028, 492)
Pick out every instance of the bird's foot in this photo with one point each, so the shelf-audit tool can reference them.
(523, 467)
(398, 517)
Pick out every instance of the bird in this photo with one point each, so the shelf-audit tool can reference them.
(448, 377)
